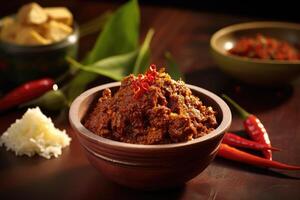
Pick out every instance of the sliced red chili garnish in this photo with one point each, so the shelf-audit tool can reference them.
(142, 83)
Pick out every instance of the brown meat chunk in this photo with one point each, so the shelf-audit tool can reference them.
(166, 113)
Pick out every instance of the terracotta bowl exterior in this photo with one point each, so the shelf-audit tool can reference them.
(149, 166)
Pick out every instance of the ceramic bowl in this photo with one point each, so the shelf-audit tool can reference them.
(148, 166)
(251, 70)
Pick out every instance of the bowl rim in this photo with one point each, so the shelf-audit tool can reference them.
(70, 39)
(253, 25)
(76, 123)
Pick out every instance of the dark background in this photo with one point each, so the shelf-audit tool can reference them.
(185, 32)
(287, 10)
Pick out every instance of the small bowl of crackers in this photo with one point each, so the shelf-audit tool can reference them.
(34, 43)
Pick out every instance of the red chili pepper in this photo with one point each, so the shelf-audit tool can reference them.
(254, 127)
(25, 93)
(232, 153)
(143, 82)
(237, 141)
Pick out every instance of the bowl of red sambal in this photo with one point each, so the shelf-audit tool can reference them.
(149, 131)
(259, 53)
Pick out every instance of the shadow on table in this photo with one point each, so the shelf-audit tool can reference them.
(9, 159)
(253, 98)
(118, 191)
(82, 182)
(262, 171)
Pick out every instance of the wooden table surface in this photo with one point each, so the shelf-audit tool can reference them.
(186, 34)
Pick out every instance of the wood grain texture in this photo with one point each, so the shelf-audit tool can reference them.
(186, 35)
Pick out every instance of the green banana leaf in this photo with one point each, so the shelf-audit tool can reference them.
(142, 61)
(119, 66)
(114, 67)
(120, 35)
(173, 68)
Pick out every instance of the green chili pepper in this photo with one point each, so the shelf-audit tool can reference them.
(53, 100)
